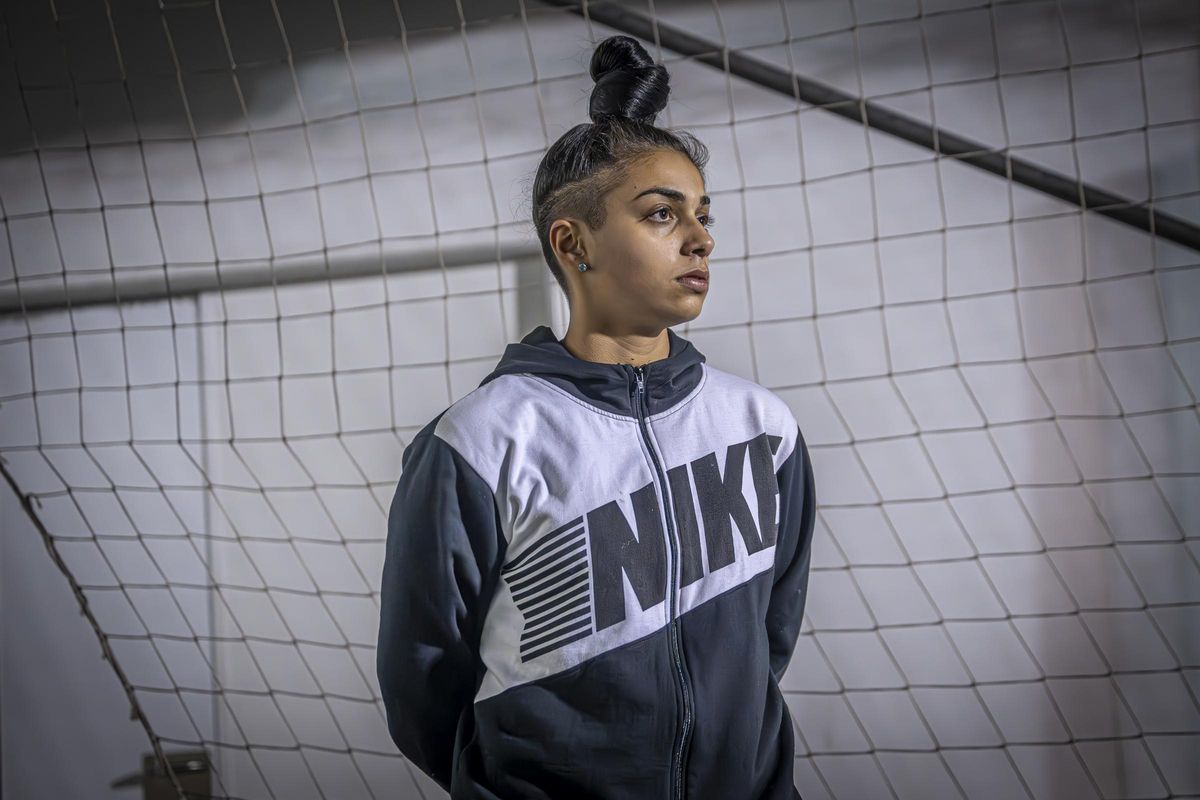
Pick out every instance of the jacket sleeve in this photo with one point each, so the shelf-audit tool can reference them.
(793, 555)
(444, 548)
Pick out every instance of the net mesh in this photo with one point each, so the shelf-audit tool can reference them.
(248, 249)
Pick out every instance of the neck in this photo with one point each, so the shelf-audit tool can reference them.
(616, 347)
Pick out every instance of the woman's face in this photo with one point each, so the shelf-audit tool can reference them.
(656, 230)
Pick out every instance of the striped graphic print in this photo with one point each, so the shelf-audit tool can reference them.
(551, 586)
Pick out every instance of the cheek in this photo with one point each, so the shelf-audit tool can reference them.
(643, 261)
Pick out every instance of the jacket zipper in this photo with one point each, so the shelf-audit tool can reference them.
(677, 775)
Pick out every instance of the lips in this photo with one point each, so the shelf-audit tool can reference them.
(697, 279)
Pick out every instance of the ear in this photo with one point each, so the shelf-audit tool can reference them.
(565, 236)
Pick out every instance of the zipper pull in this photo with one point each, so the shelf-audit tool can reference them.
(639, 379)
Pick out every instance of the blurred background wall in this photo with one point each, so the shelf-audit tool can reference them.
(247, 249)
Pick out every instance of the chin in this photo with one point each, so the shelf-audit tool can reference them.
(684, 312)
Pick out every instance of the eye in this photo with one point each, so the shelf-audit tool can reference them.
(709, 219)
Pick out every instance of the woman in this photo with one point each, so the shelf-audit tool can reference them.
(597, 561)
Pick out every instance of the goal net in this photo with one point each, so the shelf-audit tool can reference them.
(248, 249)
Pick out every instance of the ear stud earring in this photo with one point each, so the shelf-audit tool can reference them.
(582, 266)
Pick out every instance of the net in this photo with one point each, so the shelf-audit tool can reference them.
(248, 249)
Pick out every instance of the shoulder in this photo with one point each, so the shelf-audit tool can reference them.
(736, 389)
(478, 426)
(487, 409)
(737, 395)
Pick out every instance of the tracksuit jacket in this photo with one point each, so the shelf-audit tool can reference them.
(594, 580)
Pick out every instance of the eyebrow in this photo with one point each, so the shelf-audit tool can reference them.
(674, 194)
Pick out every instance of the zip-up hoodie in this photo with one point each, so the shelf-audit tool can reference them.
(594, 580)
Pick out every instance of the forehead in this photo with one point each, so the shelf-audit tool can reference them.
(664, 169)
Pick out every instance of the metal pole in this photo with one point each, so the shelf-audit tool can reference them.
(865, 112)
(154, 283)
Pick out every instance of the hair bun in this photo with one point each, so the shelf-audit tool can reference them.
(628, 82)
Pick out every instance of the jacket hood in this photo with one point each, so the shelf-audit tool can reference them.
(606, 386)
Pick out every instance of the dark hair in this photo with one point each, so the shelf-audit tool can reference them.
(588, 161)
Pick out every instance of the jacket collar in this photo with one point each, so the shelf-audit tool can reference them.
(607, 386)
